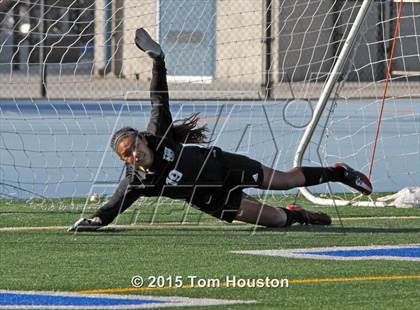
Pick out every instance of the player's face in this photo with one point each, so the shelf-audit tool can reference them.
(135, 151)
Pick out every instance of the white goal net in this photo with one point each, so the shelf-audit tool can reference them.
(70, 75)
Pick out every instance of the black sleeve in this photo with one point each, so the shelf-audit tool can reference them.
(125, 195)
(160, 123)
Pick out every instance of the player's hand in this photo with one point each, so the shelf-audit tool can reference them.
(85, 224)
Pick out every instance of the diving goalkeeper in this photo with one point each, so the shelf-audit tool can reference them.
(167, 160)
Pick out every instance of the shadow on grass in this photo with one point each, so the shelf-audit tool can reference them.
(248, 229)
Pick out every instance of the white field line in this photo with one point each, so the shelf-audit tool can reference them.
(177, 225)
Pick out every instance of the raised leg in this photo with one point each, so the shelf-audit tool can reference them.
(309, 176)
(279, 180)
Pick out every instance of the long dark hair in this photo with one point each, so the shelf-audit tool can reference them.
(184, 131)
(188, 132)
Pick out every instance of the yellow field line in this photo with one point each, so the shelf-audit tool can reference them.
(33, 228)
(303, 281)
(381, 278)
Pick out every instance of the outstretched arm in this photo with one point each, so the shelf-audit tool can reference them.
(160, 123)
(124, 197)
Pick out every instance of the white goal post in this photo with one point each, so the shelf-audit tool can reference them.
(334, 75)
(413, 170)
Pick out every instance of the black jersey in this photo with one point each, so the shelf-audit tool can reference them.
(180, 170)
(188, 172)
(206, 177)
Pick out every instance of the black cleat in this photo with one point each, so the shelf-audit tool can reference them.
(145, 43)
(355, 179)
(84, 224)
(306, 217)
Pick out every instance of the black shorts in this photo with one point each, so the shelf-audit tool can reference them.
(240, 172)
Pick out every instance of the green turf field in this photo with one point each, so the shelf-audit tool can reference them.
(53, 259)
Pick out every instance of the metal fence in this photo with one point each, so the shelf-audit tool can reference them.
(227, 49)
